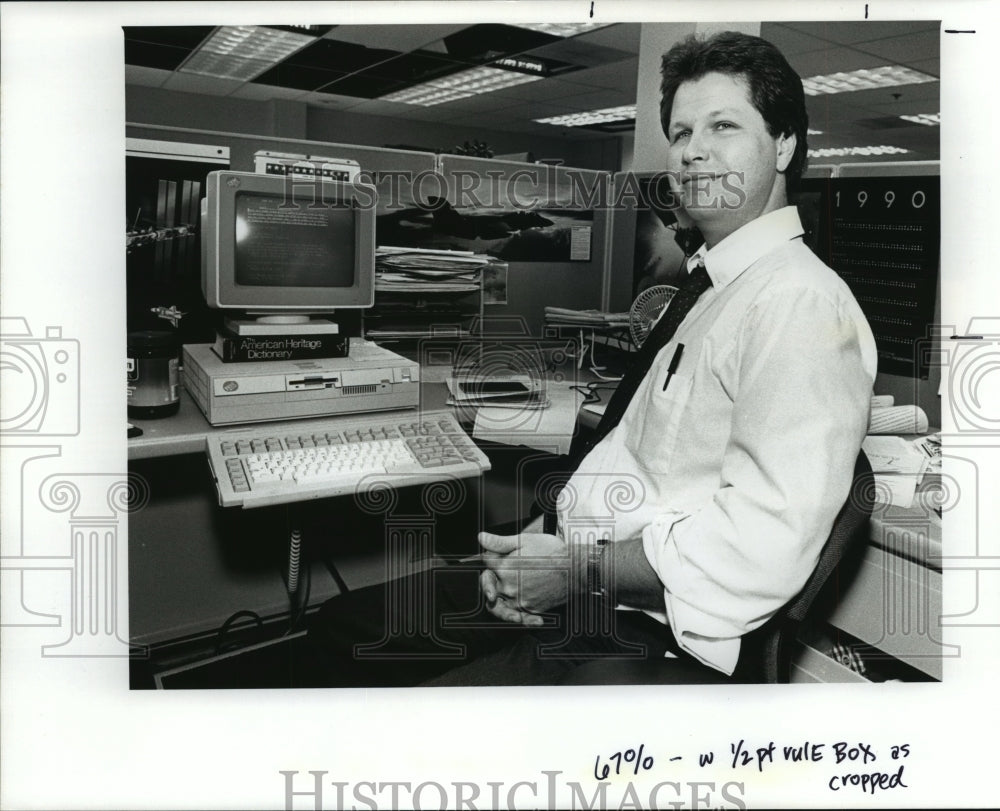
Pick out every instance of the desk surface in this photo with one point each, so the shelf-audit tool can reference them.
(185, 432)
(913, 532)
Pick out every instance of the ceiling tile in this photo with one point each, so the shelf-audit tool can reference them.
(622, 76)
(909, 107)
(177, 36)
(151, 55)
(395, 37)
(487, 41)
(594, 100)
(620, 36)
(415, 67)
(790, 40)
(849, 33)
(932, 67)
(362, 85)
(834, 114)
(833, 60)
(338, 56)
(580, 53)
(483, 103)
(299, 77)
(902, 48)
(546, 90)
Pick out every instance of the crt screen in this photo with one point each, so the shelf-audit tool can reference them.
(290, 243)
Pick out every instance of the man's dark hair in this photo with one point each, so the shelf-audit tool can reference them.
(775, 88)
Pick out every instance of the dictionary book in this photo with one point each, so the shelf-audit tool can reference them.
(242, 348)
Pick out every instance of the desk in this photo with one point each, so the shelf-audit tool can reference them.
(192, 564)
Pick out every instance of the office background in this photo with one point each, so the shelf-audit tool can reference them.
(181, 89)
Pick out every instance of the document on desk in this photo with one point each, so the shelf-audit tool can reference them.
(898, 468)
(550, 429)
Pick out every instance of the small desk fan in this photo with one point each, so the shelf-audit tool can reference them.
(646, 307)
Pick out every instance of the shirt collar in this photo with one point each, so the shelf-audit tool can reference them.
(746, 245)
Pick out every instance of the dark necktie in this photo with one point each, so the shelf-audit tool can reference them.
(696, 283)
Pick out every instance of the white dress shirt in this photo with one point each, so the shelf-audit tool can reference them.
(733, 474)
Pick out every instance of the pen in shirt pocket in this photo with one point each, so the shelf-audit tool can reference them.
(675, 361)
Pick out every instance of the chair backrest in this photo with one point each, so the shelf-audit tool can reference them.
(769, 659)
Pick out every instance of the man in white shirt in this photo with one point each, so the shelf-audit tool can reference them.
(736, 466)
(704, 509)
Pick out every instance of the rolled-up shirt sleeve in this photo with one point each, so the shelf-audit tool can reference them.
(803, 378)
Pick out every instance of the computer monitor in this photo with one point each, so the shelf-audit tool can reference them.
(282, 248)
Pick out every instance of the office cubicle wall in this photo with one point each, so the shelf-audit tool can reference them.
(642, 250)
(547, 223)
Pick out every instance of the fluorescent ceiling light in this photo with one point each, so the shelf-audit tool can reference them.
(852, 151)
(562, 29)
(866, 79)
(930, 119)
(243, 51)
(460, 86)
(814, 132)
(584, 119)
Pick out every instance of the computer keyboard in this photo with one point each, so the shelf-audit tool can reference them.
(261, 465)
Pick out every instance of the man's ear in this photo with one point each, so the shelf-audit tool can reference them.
(785, 146)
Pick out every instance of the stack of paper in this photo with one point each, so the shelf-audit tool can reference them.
(585, 318)
(422, 270)
(898, 467)
(888, 418)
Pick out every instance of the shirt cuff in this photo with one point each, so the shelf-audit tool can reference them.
(718, 652)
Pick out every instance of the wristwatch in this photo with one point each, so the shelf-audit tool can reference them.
(595, 569)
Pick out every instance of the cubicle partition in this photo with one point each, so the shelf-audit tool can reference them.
(642, 250)
(549, 224)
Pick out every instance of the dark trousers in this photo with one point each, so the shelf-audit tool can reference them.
(433, 628)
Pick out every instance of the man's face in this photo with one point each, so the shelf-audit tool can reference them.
(723, 156)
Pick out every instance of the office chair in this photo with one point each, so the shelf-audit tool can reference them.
(766, 653)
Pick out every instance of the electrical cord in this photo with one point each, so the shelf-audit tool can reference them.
(227, 627)
(296, 616)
